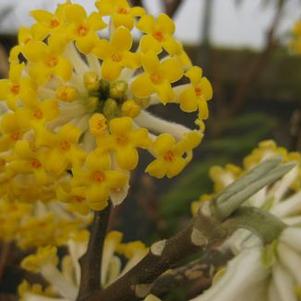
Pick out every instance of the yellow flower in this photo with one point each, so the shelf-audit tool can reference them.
(130, 108)
(78, 95)
(222, 177)
(44, 256)
(169, 153)
(84, 28)
(132, 249)
(120, 11)
(159, 32)
(99, 179)
(39, 112)
(46, 61)
(197, 94)
(157, 78)
(63, 151)
(125, 140)
(16, 87)
(48, 23)
(13, 126)
(26, 161)
(116, 54)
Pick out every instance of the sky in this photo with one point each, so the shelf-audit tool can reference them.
(233, 26)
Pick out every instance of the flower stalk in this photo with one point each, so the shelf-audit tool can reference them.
(91, 261)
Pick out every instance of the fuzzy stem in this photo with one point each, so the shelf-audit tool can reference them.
(237, 193)
(265, 225)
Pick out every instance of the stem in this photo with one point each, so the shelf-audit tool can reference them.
(203, 232)
(263, 224)
(136, 283)
(5, 252)
(91, 261)
(200, 271)
(136, 3)
(172, 6)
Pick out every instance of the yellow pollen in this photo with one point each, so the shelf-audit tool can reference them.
(38, 114)
(82, 30)
(15, 89)
(52, 61)
(169, 156)
(116, 57)
(156, 78)
(98, 176)
(159, 36)
(36, 163)
(64, 145)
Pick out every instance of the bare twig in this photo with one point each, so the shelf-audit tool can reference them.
(162, 255)
(295, 131)
(136, 3)
(5, 251)
(200, 271)
(256, 67)
(207, 230)
(90, 262)
(3, 62)
(172, 6)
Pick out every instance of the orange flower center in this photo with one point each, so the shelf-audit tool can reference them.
(15, 89)
(169, 156)
(98, 176)
(78, 199)
(100, 126)
(54, 23)
(15, 135)
(2, 162)
(64, 145)
(116, 57)
(159, 36)
(156, 78)
(38, 114)
(123, 10)
(36, 163)
(52, 61)
(122, 140)
(198, 91)
(82, 30)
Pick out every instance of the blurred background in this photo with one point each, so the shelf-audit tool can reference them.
(243, 47)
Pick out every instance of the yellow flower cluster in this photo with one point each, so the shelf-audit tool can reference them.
(75, 104)
(224, 176)
(38, 225)
(63, 274)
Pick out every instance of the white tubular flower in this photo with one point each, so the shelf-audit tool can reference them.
(257, 272)
(64, 281)
(244, 279)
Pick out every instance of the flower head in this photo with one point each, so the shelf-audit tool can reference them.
(76, 106)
